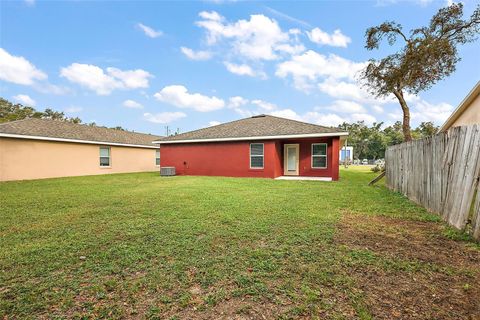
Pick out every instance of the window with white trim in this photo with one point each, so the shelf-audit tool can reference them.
(157, 157)
(319, 155)
(104, 156)
(256, 155)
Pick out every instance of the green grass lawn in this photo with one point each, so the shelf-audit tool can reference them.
(145, 246)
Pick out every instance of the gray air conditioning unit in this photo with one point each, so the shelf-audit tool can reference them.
(167, 171)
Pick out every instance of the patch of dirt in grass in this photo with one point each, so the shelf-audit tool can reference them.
(325, 303)
(406, 239)
(443, 284)
(235, 308)
(406, 295)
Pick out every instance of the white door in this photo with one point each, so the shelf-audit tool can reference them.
(291, 159)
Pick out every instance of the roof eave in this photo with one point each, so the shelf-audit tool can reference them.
(292, 136)
(21, 136)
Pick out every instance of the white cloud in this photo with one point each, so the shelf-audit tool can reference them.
(324, 119)
(196, 55)
(350, 110)
(163, 117)
(240, 69)
(272, 109)
(367, 118)
(245, 113)
(425, 111)
(73, 109)
(307, 68)
(264, 105)
(131, 79)
(179, 96)
(420, 110)
(315, 117)
(337, 39)
(395, 115)
(90, 76)
(342, 89)
(244, 70)
(345, 106)
(377, 108)
(132, 104)
(103, 83)
(286, 113)
(213, 16)
(30, 3)
(18, 70)
(214, 123)
(237, 101)
(259, 38)
(295, 31)
(149, 32)
(333, 119)
(290, 49)
(25, 100)
(350, 90)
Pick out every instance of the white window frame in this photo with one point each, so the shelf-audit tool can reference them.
(157, 150)
(250, 158)
(109, 156)
(319, 156)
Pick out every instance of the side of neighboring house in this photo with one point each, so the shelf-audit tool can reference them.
(467, 113)
(37, 148)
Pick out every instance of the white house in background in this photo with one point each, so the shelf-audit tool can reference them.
(346, 152)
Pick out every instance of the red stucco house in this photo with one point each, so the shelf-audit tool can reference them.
(261, 146)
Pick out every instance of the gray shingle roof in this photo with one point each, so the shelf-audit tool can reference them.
(66, 130)
(256, 126)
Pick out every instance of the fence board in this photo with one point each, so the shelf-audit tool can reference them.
(441, 173)
(476, 215)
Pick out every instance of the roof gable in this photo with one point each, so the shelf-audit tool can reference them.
(56, 130)
(256, 127)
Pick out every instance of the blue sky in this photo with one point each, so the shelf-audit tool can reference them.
(145, 65)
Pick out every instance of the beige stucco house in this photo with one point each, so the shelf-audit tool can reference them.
(39, 148)
(468, 112)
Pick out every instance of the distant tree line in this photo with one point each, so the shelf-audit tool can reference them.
(15, 111)
(370, 142)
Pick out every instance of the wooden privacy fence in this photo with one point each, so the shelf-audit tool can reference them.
(441, 173)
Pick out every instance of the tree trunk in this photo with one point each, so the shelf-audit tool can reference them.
(407, 136)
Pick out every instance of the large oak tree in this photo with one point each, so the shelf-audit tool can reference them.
(428, 54)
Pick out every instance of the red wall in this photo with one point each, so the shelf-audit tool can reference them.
(232, 159)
